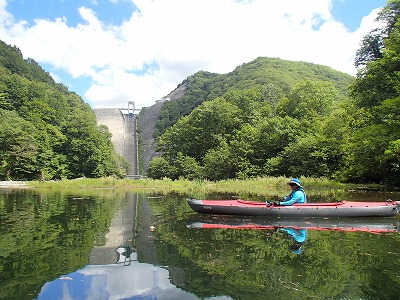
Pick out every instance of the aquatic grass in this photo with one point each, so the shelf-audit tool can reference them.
(262, 186)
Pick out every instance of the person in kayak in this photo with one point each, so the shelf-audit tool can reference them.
(297, 195)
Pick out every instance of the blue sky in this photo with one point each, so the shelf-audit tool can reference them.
(114, 51)
(350, 12)
(111, 12)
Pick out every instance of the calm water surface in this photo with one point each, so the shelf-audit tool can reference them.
(120, 245)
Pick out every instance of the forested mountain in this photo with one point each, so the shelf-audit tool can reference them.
(274, 77)
(271, 117)
(46, 131)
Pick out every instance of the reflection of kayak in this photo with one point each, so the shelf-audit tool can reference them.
(354, 225)
(324, 210)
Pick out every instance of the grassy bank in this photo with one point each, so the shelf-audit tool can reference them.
(257, 186)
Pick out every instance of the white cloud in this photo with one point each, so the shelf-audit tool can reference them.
(6, 17)
(182, 37)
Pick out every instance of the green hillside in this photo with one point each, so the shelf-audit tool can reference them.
(272, 117)
(46, 131)
(275, 76)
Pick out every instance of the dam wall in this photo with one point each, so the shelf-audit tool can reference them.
(114, 120)
(123, 134)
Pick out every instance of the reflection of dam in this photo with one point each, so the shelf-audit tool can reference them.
(125, 225)
(121, 233)
(122, 125)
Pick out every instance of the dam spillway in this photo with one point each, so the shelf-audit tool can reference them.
(123, 134)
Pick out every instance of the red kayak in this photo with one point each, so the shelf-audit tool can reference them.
(318, 210)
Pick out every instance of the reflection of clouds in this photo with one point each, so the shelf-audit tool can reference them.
(116, 281)
(120, 281)
(127, 279)
(65, 293)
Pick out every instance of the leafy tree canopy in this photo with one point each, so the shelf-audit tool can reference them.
(372, 153)
(47, 132)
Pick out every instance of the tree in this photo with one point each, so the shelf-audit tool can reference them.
(88, 148)
(389, 15)
(373, 44)
(371, 49)
(51, 132)
(201, 131)
(371, 150)
(19, 148)
(159, 168)
(219, 163)
(186, 167)
(391, 157)
(308, 100)
(378, 79)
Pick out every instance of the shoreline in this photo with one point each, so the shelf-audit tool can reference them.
(13, 184)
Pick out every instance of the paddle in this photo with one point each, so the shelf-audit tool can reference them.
(270, 203)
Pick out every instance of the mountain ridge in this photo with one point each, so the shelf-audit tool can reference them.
(273, 74)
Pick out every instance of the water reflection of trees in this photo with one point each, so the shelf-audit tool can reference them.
(245, 265)
(46, 235)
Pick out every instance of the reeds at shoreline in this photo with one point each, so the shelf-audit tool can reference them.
(254, 186)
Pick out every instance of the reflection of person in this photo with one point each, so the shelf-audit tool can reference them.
(299, 236)
(297, 195)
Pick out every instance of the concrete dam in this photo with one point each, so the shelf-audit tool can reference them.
(122, 125)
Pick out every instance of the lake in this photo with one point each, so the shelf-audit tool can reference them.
(109, 244)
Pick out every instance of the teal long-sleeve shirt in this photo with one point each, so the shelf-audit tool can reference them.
(296, 196)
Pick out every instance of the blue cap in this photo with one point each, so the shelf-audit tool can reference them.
(295, 181)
